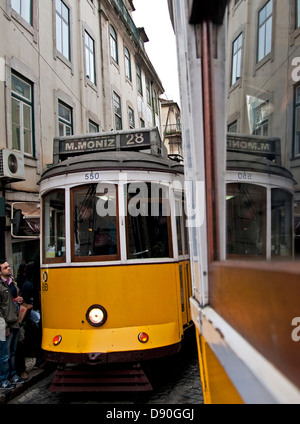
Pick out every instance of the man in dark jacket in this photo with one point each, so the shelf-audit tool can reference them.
(9, 328)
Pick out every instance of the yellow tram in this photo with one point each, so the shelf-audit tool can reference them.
(244, 264)
(114, 252)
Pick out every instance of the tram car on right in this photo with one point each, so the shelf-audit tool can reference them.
(240, 120)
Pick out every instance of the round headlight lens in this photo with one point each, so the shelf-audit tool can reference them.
(96, 315)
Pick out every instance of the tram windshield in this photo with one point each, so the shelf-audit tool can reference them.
(94, 221)
(148, 221)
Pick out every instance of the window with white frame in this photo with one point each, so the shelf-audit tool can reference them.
(65, 120)
(23, 8)
(62, 24)
(89, 48)
(113, 44)
(117, 111)
(139, 80)
(261, 119)
(236, 59)
(131, 117)
(93, 127)
(22, 114)
(265, 30)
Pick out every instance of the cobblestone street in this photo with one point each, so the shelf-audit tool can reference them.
(175, 381)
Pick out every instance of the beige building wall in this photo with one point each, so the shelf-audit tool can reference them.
(31, 51)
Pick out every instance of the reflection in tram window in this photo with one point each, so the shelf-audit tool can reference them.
(182, 237)
(54, 225)
(95, 222)
(246, 220)
(148, 221)
(281, 223)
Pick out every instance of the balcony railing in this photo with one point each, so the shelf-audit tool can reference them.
(172, 129)
(121, 8)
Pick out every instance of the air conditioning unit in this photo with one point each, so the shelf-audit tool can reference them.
(12, 165)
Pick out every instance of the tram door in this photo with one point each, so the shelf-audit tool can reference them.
(185, 291)
(184, 267)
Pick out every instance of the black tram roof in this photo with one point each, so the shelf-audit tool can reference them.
(237, 161)
(113, 160)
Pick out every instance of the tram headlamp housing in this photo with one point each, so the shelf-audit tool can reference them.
(96, 315)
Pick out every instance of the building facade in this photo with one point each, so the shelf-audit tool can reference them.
(170, 112)
(66, 68)
(263, 79)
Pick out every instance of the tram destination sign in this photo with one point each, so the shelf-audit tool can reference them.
(125, 140)
(268, 147)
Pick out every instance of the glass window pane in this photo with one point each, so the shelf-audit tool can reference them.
(27, 141)
(16, 5)
(62, 29)
(58, 5)
(179, 223)
(95, 221)
(246, 216)
(65, 12)
(26, 10)
(93, 128)
(148, 223)
(269, 7)
(261, 43)
(65, 38)
(58, 34)
(281, 243)
(268, 36)
(54, 225)
(27, 118)
(113, 44)
(64, 112)
(21, 87)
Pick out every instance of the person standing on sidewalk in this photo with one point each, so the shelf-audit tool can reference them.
(9, 328)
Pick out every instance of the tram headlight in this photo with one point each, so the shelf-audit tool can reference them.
(96, 315)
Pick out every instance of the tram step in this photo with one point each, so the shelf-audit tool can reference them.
(128, 380)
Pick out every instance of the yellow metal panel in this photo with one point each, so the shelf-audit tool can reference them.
(216, 385)
(136, 298)
(106, 340)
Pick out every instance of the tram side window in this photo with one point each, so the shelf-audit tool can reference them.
(95, 233)
(246, 220)
(148, 221)
(54, 225)
(182, 237)
(281, 243)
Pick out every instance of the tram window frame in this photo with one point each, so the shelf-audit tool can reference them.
(181, 229)
(244, 225)
(93, 258)
(282, 217)
(62, 257)
(129, 225)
